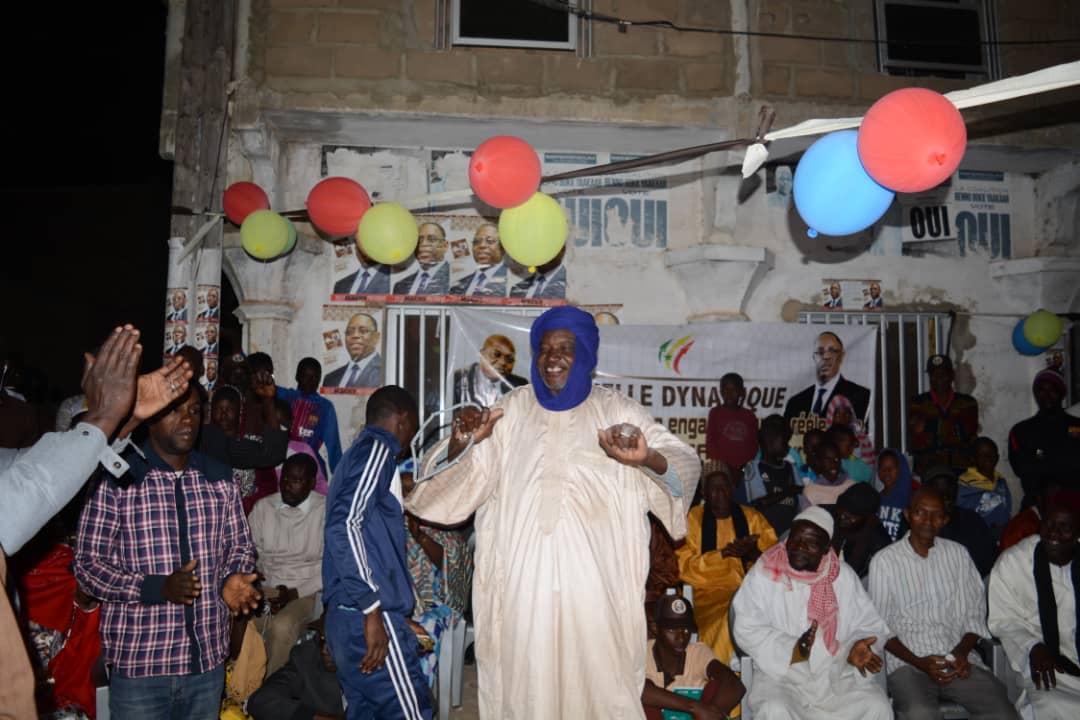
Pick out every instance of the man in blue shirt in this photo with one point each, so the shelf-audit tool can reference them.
(366, 581)
(314, 420)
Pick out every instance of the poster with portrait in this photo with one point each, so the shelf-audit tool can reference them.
(208, 298)
(779, 180)
(176, 307)
(207, 338)
(176, 337)
(851, 295)
(357, 276)
(353, 349)
(489, 356)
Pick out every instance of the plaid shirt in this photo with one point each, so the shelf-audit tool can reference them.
(135, 532)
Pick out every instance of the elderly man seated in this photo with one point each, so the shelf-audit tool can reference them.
(723, 540)
(1033, 609)
(804, 618)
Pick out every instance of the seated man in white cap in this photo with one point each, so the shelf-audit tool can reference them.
(804, 618)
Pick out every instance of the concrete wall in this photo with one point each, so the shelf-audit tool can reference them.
(344, 71)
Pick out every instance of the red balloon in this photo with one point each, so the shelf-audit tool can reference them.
(912, 140)
(504, 171)
(243, 198)
(336, 204)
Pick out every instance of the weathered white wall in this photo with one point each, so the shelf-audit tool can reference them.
(282, 300)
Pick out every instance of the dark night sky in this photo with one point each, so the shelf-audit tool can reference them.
(86, 195)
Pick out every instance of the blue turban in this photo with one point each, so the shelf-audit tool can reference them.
(586, 344)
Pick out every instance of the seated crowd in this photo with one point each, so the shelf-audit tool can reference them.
(237, 528)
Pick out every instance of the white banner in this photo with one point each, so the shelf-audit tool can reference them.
(675, 371)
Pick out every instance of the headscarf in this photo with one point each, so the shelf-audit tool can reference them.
(864, 449)
(586, 344)
(822, 605)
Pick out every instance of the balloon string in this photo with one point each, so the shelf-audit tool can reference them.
(649, 160)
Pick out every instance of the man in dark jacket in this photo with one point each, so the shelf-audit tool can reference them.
(1046, 446)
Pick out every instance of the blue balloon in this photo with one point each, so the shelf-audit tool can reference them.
(1021, 343)
(833, 193)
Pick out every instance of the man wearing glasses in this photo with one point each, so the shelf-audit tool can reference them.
(814, 401)
(431, 275)
(364, 369)
(489, 279)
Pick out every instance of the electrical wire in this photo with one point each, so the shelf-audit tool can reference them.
(624, 25)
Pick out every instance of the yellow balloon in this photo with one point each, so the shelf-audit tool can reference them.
(388, 233)
(264, 234)
(533, 233)
(1042, 328)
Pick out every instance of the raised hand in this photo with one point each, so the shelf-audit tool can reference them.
(863, 657)
(263, 385)
(183, 586)
(240, 593)
(471, 423)
(159, 388)
(109, 379)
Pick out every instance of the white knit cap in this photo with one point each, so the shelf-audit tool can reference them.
(819, 516)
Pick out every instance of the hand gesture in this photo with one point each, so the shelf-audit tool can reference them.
(240, 593)
(471, 423)
(938, 668)
(159, 388)
(863, 657)
(1043, 665)
(183, 586)
(961, 664)
(109, 379)
(624, 443)
(742, 548)
(806, 641)
(377, 642)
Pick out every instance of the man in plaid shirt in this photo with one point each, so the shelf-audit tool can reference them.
(148, 546)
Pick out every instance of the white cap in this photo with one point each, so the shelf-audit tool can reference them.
(819, 516)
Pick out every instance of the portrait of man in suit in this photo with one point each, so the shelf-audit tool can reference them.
(179, 339)
(549, 281)
(211, 335)
(489, 278)
(490, 377)
(828, 357)
(364, 368)
(178, 313)
(431, 274)
(211, 311)
(835, 300)
(874, 301)
(370, 279)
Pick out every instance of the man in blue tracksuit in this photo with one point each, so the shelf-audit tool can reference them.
(366, 583)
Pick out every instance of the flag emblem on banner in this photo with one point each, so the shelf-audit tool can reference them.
(673, 351)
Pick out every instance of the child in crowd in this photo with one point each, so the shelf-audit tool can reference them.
(984, 490)
(810, 441)
(731, 434)
(844, 439)
(772, 481)
(842, 412)
(826, 478)
(683, 676)
(896, 485)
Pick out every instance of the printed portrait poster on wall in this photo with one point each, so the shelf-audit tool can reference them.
(176, 306)
(352, 360)
(852, 295)
(802, 372)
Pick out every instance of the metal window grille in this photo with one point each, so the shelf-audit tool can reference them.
(418, 350)
(905, 341)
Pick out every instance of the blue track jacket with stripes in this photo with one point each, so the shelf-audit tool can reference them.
(364, 561)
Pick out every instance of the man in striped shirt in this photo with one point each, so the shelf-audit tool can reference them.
(168, 552)
(366, 582)
(931, 596)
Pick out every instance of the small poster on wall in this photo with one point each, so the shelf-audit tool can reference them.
(352, 355)
(851, 295)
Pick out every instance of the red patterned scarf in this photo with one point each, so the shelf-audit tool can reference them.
(822, 605)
